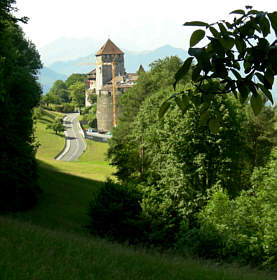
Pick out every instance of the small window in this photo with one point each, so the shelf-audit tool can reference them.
(109, 93)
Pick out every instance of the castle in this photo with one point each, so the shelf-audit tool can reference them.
(100, 82)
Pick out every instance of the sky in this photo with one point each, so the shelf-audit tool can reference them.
(134, 25)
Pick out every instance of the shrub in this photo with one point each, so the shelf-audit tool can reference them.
(67, 108)
(115, 212)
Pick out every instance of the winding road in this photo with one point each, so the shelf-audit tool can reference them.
(75, 143)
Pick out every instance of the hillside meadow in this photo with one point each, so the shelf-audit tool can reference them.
(51, 240)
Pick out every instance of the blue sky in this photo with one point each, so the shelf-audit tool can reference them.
(134, 25)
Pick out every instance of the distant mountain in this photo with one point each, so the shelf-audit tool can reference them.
(132, 60)
(79, 65)
(65, 49)
(47, 77)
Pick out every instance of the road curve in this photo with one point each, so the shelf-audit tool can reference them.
(75, 143)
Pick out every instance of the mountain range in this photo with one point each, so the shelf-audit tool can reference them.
(66, 56)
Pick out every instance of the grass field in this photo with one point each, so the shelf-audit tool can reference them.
(90, 165)
(51, 241)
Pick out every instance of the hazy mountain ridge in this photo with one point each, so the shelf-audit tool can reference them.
(47, 77)
(132, 60)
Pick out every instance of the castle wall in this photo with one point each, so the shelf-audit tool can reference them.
(104, 112)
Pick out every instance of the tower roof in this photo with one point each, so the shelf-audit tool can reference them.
(109, 48)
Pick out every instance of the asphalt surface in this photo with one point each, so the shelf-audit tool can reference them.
(75, 144)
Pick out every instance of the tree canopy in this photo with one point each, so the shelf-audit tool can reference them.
(19, 94)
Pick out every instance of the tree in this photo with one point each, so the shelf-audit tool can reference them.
(92, 97)
(19, 94)
(57, 125)
(59, 92)
(261, 135)
(239, 55)
(73, 78)
(77, 94)
(161, 75)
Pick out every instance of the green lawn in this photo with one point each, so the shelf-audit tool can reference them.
(51, 241)
(90, 165)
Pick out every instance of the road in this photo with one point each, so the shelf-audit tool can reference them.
(75, 144)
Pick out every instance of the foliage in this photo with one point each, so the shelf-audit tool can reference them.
(59, 92)
(261, 135)
(92, 97)
(239, 55)
(63, 108)
(160, 76)
(90, 117)
(74, 78)
(179, 159)
(77, 94)
(56, 125)
(19, 94)
(115, 211)
(242, 229)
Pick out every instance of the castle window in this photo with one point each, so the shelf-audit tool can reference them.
(109, 93)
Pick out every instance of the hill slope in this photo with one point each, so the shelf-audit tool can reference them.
(52, 242)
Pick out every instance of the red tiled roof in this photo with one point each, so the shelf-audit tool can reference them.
(109, 48)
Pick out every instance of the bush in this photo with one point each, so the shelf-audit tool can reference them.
(67, 108)
(115, 212)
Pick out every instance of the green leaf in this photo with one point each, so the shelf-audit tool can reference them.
(227, 43)
(273, 21)
(267, 93)
(256, 103)
(196, 51)
(182, 103)
(214, 126)
(196, 73)
(218, 47)
(163, 109)
(240, 44)
(264, 25)
(222, 29)
(269, 78)
(238, 12)
(204, 117)
(247, 66)
(214, 32)
(182, 71)
(243, 90)
(196, 37)
(196, 23)
(260, 77)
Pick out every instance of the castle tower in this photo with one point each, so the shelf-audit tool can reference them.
(104, 57)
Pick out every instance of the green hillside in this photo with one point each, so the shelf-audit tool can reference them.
(51, 241)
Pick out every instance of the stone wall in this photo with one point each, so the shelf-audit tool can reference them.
(104, 112)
